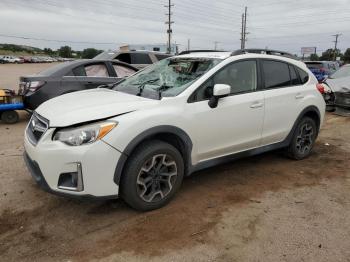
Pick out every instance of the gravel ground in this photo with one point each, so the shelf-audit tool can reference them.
(263, 208)
(9, 73)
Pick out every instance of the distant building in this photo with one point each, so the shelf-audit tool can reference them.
(149, 47)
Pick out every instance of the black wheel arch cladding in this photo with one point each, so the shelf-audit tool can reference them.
(171, 134)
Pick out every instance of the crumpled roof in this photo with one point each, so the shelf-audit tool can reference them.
(339, 85)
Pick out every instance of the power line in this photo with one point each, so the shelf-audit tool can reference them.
(57, 41)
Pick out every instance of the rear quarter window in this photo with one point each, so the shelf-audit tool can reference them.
(304, 77)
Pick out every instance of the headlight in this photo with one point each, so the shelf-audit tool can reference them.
(85, 134)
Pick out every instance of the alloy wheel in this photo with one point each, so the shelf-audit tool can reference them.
(156, 178)
(305, 138)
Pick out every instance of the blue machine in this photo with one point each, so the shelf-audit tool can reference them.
(9, 103)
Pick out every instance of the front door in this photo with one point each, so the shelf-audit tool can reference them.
(235, 125)
(95, 75)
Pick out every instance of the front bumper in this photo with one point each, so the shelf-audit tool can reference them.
(47, 160)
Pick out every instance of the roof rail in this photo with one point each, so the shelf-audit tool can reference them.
(263, 51)
(198, 51)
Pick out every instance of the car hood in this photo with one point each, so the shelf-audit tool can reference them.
(339, 84)
(90, 105)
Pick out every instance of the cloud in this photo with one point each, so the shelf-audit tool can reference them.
(286, 25)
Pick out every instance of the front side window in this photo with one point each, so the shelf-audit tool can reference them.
(96, 70)
(240, 76)
(123, 71)
(276, 74)
(168, 77)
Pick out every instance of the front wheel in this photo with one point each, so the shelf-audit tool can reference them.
(303, 139)
(153, 175)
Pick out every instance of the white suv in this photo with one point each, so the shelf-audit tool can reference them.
(139, 139)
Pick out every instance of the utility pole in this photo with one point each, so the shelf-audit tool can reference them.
(169, 23)
(188, 44)
(216, 45)
(335, 46)
(242, 33)
(244, 28)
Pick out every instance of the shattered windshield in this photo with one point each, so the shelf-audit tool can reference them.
(166, 78)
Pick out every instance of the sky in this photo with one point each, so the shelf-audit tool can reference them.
(107, 24)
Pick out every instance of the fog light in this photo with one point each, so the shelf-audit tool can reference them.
(72, 181)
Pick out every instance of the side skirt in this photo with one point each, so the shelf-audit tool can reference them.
(235, 156)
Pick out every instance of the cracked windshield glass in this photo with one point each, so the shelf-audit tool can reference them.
(167, 78)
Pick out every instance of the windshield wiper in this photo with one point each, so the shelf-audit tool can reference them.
(142, 85)
(162, 88)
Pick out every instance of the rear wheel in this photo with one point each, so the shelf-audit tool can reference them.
(303, 139)
(152, 176)
(10, 117)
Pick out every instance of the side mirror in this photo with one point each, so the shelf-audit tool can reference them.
(220, 91)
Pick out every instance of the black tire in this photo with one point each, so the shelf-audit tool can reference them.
(303, 139)
(156, 156)
(10, 117)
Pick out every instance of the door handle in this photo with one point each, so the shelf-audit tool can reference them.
(257, 105)
(299, 96)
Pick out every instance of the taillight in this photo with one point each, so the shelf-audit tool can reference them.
(35, 85)
(320, 88)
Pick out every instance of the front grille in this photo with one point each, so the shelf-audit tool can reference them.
(36, 128)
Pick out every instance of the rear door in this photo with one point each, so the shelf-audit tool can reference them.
(94, 74)
(283, 97)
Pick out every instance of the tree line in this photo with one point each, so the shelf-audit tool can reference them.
(329, 55)
(64, 51)
(67, 52)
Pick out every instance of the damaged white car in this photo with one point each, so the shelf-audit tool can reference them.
(139, 139)
(337, 91)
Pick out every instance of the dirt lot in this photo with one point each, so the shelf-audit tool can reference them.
(10, 73)
(265, 208)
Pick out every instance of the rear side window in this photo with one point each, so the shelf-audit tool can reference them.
(276, 74)
(304, 77)
(294, 76)
(140, 59)
(79, 71)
